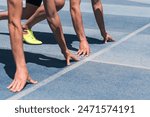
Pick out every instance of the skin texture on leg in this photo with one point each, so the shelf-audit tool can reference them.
(98, 12)
(21, 76)
(55, 24)
(40, 14)
(76, 16)
(28, 11)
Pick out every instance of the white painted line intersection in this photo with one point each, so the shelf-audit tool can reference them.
(67, 69)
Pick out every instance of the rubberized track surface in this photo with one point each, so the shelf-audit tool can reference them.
(119, 70)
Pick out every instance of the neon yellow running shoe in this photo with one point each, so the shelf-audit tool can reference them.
(30, 38)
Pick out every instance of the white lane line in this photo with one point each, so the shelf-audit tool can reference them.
(67, 69)
(141, 1)
(120, 64)
(113, 9)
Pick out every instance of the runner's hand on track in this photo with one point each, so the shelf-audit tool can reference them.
(20, 80)
(108, 38)
(84, 48)
(69, 56)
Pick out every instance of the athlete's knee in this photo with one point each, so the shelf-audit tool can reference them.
(41, 9)
(59, 4)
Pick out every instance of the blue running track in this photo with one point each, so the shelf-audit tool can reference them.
(114, 71)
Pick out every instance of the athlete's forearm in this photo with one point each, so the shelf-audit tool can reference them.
(77, 19)
(98, 12)
(15, 29)
(55, 24)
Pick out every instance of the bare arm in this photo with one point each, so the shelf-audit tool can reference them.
(78, 26)
(98, 12)
(15, 29)
(55, 24)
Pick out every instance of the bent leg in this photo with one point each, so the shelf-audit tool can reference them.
(40, 14)
(29, 10)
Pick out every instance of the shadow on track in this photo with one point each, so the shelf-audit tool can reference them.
(39, 59)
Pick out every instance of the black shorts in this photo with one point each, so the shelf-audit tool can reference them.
(34, 2)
